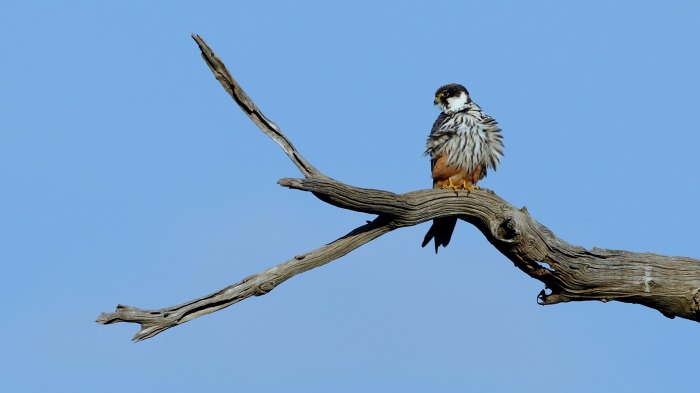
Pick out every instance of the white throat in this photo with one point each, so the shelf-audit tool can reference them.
(455, 104)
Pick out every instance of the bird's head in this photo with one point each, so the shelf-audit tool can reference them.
(452, 98)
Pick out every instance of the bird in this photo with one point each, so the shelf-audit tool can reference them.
(463, 144)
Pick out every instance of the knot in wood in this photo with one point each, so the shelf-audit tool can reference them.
(265, 288)
(507, 229)
(695, 307)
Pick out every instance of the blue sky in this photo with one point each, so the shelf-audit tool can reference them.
(131, 177)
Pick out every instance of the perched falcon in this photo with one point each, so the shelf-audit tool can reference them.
(463, 144)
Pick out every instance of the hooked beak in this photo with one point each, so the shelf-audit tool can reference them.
(436, 101)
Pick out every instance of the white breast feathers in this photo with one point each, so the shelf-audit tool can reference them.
(469, 138)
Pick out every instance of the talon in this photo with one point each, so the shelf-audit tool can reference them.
(473, 188)
(451, 186)
(470, 186)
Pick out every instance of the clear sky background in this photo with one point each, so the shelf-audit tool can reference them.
(130, 177)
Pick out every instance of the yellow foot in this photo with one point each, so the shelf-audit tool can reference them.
(452, 186)
(469, 187)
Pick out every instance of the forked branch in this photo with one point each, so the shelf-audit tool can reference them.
(670, 285)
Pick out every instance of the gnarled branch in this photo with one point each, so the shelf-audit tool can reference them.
(670, 285)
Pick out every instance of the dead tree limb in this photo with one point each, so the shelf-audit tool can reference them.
(670, 285)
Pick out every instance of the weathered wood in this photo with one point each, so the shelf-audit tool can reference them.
(266, 125)
(571, 273)
(670, 285)
(155, 321)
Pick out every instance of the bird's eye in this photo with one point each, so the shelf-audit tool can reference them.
(444, 94)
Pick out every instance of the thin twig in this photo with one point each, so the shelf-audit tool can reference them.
(249, 108)
(156, 321)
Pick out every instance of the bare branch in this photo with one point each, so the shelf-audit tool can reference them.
(156, 321)
(570, 273)
(249, 108)
(668, 284)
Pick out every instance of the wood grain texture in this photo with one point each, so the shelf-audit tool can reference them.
(668, 284)
(569, 272)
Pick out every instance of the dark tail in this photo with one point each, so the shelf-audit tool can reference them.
(441, 231)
